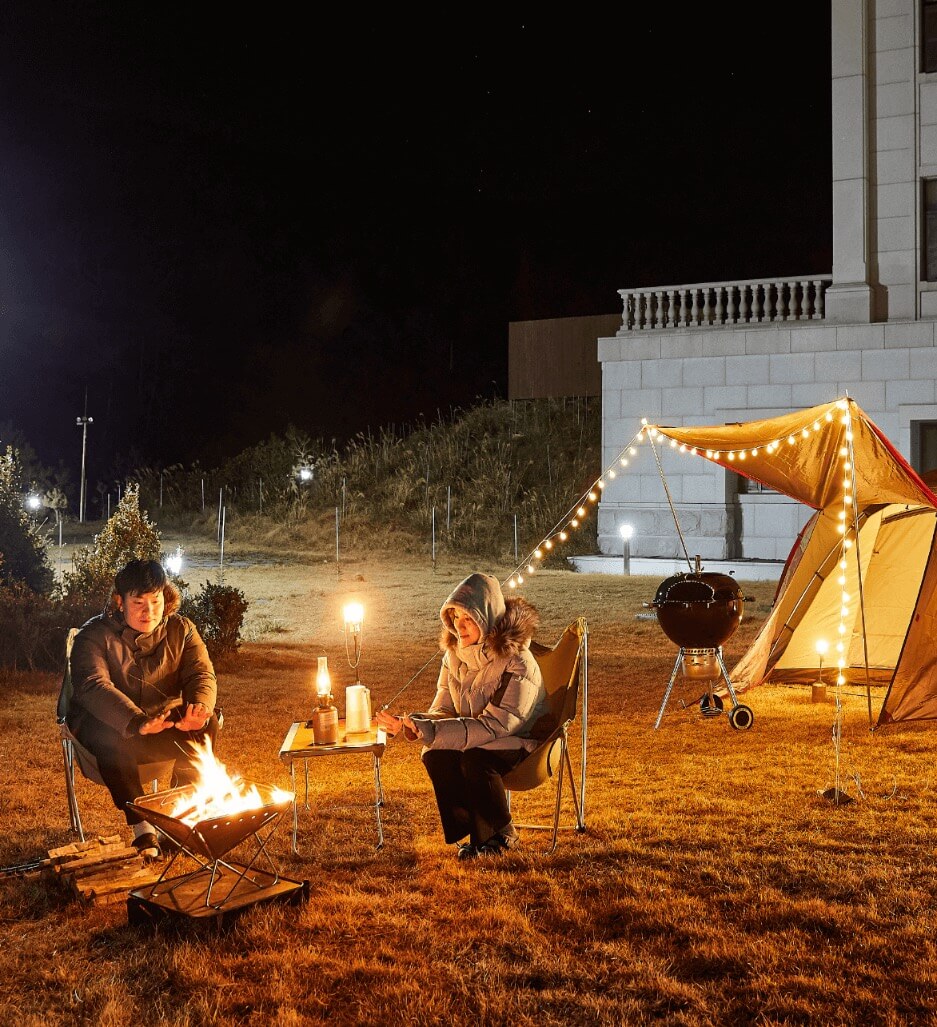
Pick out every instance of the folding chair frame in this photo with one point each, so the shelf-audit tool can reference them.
(561, 737)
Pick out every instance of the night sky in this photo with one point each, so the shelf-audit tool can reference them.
(221, 225)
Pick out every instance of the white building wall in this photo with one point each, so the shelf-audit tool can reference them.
(743, 374)
(875, 340)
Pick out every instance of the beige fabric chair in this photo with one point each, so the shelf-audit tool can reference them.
(74, 753)
(565, 670)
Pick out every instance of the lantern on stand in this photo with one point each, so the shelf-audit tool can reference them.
(357, 696)
(325, 716)
(818, 691)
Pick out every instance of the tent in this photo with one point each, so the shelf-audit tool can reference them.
(863, 572)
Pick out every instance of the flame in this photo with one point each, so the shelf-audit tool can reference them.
(218, 793)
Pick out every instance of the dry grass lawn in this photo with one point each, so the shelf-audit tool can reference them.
(714, 884)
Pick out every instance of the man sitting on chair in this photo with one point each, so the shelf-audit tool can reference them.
(144, 689)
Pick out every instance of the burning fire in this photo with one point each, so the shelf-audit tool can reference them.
(218, 793)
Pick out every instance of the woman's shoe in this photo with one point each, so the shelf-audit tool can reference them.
(497, 845)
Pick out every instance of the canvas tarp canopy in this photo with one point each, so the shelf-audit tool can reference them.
(817, 456)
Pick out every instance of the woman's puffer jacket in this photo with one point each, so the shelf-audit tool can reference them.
(490, 694)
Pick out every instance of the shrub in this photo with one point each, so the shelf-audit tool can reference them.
(32, 628)
(128, 535)
(218, 613)
(21, 543)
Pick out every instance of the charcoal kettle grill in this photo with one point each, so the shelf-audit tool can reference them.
(217, 885)
(700, 612)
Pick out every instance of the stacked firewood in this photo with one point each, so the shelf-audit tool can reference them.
(101, 870)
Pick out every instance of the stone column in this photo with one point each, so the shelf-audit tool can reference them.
(849, 297)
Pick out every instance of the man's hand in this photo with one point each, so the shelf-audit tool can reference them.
(195, 717)
(155, 724)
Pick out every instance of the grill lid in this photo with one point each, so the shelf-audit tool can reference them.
(699, 610)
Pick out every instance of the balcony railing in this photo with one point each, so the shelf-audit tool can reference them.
(711, 304)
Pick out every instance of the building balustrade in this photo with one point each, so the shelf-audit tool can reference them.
(709, 304)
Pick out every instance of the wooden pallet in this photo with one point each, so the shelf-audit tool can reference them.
(101, 870)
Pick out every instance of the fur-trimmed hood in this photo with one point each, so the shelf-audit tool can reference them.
(511, 633)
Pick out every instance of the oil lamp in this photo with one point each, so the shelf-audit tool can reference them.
(325, 716)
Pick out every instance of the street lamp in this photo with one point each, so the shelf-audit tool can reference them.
(33, 502)
(626, 531)
(83, 422)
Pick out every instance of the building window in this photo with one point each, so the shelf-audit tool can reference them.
(750, 487)
(924, 446)
(929, 35)
(929, 248)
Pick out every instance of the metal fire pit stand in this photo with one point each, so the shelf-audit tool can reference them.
(740, 716)
(217, 886)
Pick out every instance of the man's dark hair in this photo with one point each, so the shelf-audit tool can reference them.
(140, 577)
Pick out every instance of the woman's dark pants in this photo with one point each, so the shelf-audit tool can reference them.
(469, 791)
(119, 758)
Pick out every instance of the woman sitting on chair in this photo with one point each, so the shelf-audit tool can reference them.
(130, 665)
(488, 714)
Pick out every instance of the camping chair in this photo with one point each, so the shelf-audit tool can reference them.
(73, 752)
(565, 670)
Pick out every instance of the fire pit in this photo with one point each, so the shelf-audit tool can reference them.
(701, 611)
(203, 829)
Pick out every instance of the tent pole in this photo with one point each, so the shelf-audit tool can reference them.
(676, 521)
(865, 641)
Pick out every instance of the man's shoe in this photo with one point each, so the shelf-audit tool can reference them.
(147, 845)
(465, 850)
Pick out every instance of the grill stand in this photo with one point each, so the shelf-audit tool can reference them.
(217, 887)
(740, 716)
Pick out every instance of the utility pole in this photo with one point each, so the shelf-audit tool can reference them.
(83, 422)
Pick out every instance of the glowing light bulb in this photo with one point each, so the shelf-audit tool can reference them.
(574, 523)
(563, 536)
(581, 511)
(538, 553)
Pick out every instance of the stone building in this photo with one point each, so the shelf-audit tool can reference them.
(720, 352)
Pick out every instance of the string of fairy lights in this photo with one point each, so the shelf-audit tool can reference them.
(574, 517)
(848, 519)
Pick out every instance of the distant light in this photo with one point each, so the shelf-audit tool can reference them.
(33, 502)
(626, 531)
(173, 563)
